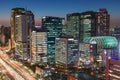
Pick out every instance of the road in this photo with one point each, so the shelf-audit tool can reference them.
(11, 70)
(4, 74)
(14, 69)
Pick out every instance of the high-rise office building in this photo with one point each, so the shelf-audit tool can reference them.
(87, 25)
(66, 52)
(14, 12)
(103, 22)
(23, 24)
(80, 25)
(30, 24)
(39, 46)
(54, 26)
(73, 24)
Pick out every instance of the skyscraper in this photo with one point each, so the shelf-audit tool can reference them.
(39, 46)
(66, 52)
(88, 26)
(73, 24)
(23, 24)
(14, 12)
(54, 26)
(103, 22)
(80, 25)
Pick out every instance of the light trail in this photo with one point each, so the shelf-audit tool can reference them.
(11, 71)
(16, 67)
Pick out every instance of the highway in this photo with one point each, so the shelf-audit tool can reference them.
(11, 71)
(4, 74)
(15, 70)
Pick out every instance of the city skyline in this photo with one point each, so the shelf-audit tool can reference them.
(58, 8)
(59, 40)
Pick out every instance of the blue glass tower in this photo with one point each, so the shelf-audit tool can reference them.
(54, 26)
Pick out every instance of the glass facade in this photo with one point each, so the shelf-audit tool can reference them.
(54, 26)
(23, 24)
(20, 29)
(88, 25)
(21, 37)
(38, 47)
(66, 52)
(103, 22)
(14, 12)
(73, 24)
(61, 51)
(73, 52)
(81, 25)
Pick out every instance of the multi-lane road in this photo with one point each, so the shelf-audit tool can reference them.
(11, 71)
(4, 74)
(15, 70)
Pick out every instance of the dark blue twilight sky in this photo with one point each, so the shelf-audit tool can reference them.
(59, 8)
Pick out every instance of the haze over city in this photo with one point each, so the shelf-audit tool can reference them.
(59, 8)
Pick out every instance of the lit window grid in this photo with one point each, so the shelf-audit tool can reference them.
(39, 44)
